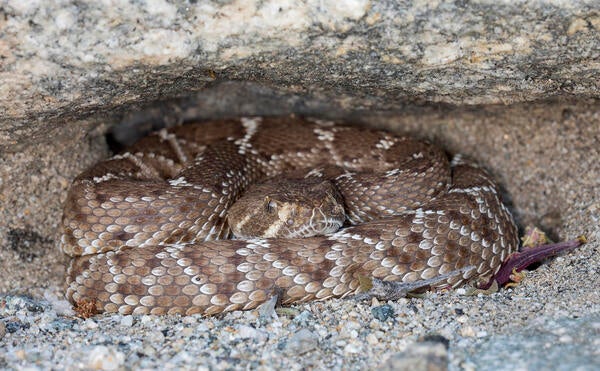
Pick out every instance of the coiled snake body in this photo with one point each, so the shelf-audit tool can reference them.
(146, 227)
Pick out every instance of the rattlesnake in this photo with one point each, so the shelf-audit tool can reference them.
(145, 228)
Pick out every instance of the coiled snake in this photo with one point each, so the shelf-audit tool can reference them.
(145, 228)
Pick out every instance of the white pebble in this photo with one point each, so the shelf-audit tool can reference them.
(189, 320)
(565, 339)
(90, 324)
(372, 339)
(467, 331)
(249, 332)
(351, 348)
(104, 358)
(146, 319)
(462, 319)
(127, 321)
(301, 342)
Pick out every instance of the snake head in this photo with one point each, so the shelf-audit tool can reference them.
(287, 208)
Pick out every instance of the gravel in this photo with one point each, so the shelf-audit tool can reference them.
(441, 330)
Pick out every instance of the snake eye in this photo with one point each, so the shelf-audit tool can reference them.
(270, 205)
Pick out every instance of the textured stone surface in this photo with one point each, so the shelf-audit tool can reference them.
(69, 56)
(568, 343)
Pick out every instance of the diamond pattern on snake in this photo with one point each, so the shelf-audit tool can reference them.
(219, 215)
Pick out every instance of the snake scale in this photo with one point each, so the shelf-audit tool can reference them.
(148, 229)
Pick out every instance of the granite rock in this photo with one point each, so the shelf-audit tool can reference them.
(79, 56)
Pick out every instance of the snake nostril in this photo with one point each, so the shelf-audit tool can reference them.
(269, 205)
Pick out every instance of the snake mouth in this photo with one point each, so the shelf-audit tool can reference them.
(318, 224)
(323, 227)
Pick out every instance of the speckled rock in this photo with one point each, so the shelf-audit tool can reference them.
(383, 312)
(568, 343)
(102, 357)
(302, 342)
(86, 56)
(426, 356)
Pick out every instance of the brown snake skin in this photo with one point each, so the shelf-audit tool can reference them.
(144, 228)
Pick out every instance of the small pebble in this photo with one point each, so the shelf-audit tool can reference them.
(20, 354)
(467, 331)
(90, 324)
(565, 339)
(249, 332)
(149, 351)
(303, 318)
(383, 312)
(301, 342)
(419, 356)
(187, 331)
(351, 348)
(156, 337)
(435, 338)
(372, 339)
(104, 358)
(127, 321)
(482, 334)
(14, 324)
(202, 328)
(146, 319)
(462, 319)
(189, 320)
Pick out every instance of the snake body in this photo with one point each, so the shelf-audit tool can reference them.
(147, 229)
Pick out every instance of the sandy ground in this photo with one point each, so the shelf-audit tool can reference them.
(544, 155)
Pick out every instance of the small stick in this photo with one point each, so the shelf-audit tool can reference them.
(518, 261)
